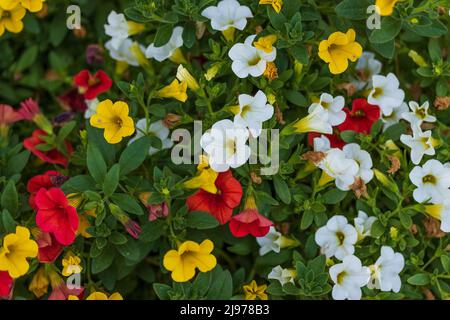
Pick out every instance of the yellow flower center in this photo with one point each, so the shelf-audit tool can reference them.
(6, 14)
(93, 81)
(341, 277)
(429, 179)
(420, 112)
(340, 236)
(118, 121)
(245, 110)
(378, 92)
(254, 61)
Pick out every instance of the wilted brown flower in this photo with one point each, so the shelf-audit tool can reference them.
(395, 164)
(442, 103)
(80, 33)
(271, 72)
(171, 120)
(313, 156)
(44, 11)
(428, 294)
(359, 188)
(432, 228)
(255, 178)
(279, 115)
(413, 229)
(350, 88)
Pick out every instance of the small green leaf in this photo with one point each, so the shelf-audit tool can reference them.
(201, 220)
(282, 189)
(134, 155)
(111, 180)
(95, 163)
(419, 279)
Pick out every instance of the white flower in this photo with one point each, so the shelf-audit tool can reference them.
(338, 166)
(395, 116)
(253, 111)
(421, 143)
(367, 66)
(316, 121)
(337, 238)
(441, 212)
(321, 144)
(157, 129)
(282, 275)
(123, 52)
(270, 242)
(385, 271)
(418, 113)
(362, 158)
(166, 51)
(432, 181)
(332, 107)
(91, 108)
(363, 224)
(228, 14)
(349, 277)
(225, 144)
(386, 93)
(117, 28)
(248, 60)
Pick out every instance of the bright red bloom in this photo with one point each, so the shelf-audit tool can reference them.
(49, 247)
(56, 216)
(250, 221)
(52, 156)
(361, 118)
(6, 284)
(47, 180)
(73, 101)
(219, 205)
(92, 85)
(29, 109)
(335, 139)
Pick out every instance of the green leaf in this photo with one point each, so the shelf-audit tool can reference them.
(151, 231)
(349, 136)
(134, 155)
(419, 279)
(118, 238)
(189, 37)
(445, 260)
(277, 20)
(58, 30)
(127, 203)
(95, 163)
(10, 199)
(222, 285)
(162, 290)
(334, 196)
(395, 131)
(318, 264)
(104, 260)
(201, 220)
(307, 219)
(111, 180)
(386, 49)
(353, 9)
(17, 163)
(78, 184)
(282, 189)
(435, 29)
(28, 58)
(291, 289)
(8, 221)
(129, 250)
(163, 35)
(390, 28)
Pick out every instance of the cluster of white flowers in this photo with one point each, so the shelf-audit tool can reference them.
(337, 239)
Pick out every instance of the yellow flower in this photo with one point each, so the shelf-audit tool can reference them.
(276, 4)
(135, 28)
(385, 7)
(176, 90)
(393, 232)
(338, 49)
(271, 72)
(71, 265)
(206, 178)
(102, 296)
(253, 291)
(434, 210)
(114, 119)
(184, 76)
(30, 5)
(39, 284)
(137, 53)
(189, 256)
(11, 19)
(265, 43)
(314, 122)
(17, 247)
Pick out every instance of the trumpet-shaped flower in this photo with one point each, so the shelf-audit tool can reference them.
(71, 265)
(337, 238)
(273, 241)
(332, 107)
(253, 291)
(176, 90)
(249, 60)
(49, 247)
(282, 275)
(349, 277)
(39, 284)
(362, 158)
(122, 51)
(395, 116)
(119, 29)
(205, 179)
(421, 143)
(169, 50)
(6, 285)
(363, 224)
(8, 116)
(361, 118)
(316, 121)
(157, 129)
(366, 67)
(184, 76)
(432, 181)
(253, 111)
(92, 85)
(188, 257)
(418, 114)
(30, 5)
(17, 247)
(385, 7)
(225, 144)
(277, 5)
(228, 14)
(386, 93)
(53, 156)
(338, 49)
(11, 19)
(385, 271)
(337, 166)
(440, 212)
(114, 119)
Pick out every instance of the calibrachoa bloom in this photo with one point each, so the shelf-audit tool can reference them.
(277, 5)
(395, 116)
(440, 212)
(55, 215)
(316, 121)
(175, 89)
(53, 156)
(49, 248)
(39, 284)
(418, 114)
(6, 285)
(170, 50)
(190, 256)
(30, 110)
(432, 181)
(221, 203)
(366, 67)
(47, 180)
(386, 93)
(8, 116)
(114, 119)
(421, 143)
(17, 247)
(353, 151)
(338, 167)
(385, 7)
(332, 107)
(282, 275)
(92, 85)
(103, 296)
(11, 19)
(385, 271)
(348, 277)
(363, 224)
(71, 265)
(361, 117)
(30, 5)
(252, 291)
(273, 241)
(338, 49)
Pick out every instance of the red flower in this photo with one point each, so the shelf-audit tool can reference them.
(8, 115)
(60, 289)
(219, 205)
(73, 101)
(47, 180)
(52, 156)
(335, 139)
(6, 284)
(56, 216)
(49, 247)
(250, 221)
(361, 118)
(92, 85)
(29, 109)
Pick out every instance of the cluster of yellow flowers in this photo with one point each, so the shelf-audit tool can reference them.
(13, 11)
